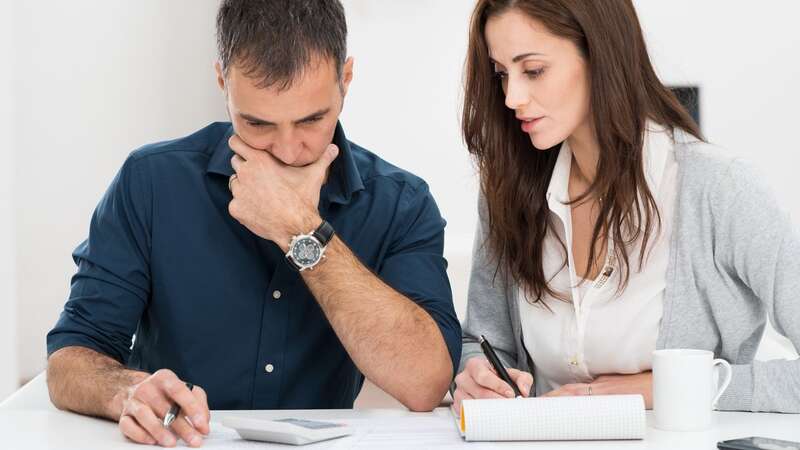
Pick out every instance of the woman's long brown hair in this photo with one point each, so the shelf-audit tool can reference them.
(625, 93)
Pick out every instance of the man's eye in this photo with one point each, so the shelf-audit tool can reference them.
(312, 120)
(255, 124)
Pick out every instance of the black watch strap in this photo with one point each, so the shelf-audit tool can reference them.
(324, 233)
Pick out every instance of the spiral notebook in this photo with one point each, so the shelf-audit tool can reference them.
(601, 417)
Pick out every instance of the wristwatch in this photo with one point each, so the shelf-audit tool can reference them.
(307, 250)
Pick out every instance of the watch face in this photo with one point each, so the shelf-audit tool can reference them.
(306, 251)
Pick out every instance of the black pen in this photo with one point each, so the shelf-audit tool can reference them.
(172, 414)
(498, 366)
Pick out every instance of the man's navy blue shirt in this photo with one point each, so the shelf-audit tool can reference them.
(220, 306)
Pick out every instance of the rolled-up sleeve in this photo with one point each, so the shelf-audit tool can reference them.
(110, 290)
(415, 265)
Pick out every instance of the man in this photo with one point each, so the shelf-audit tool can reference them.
(184, 277)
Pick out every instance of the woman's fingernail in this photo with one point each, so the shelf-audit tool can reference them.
(509, 393)
(195, 441)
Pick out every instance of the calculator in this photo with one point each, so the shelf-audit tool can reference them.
(286, 431)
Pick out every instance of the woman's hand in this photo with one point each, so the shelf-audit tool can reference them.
(479, 380)
(640, 383)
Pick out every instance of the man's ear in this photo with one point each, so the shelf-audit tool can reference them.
(220, 75)
(347, 74)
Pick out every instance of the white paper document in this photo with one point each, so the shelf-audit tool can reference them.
(417, 433)
(428, 431)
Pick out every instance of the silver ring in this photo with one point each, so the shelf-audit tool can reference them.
(589, 388)
(230, 181)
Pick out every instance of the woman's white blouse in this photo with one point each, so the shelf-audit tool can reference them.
(600, 331)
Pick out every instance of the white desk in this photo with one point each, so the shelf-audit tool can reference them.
(27, 429)
(34, 425)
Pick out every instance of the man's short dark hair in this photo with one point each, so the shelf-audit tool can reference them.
(274, 41)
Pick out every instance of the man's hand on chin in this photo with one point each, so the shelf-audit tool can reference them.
(273, 200)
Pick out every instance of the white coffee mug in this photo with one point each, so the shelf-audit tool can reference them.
(685, 388)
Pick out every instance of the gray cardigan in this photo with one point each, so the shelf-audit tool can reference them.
(734, 259)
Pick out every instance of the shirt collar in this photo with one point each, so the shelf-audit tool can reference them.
(657, 145)
(343, 181)
(558, 189)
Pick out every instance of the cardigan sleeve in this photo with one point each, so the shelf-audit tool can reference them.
(760, 245)
(487, 306)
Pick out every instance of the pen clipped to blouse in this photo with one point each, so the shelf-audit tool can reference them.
(498, 366)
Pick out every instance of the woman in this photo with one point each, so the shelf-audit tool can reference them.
(608, 227)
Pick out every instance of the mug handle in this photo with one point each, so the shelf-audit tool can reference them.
(728, 375)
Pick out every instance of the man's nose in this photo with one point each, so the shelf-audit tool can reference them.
(286, 148)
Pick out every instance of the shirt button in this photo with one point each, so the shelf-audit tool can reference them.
(276, 294)
(269, 368)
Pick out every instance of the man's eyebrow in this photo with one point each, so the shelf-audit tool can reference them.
(314, 115)
(256, 120)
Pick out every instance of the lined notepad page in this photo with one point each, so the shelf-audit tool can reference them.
(600, 417)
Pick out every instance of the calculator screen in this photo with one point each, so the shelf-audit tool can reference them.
(310, 424)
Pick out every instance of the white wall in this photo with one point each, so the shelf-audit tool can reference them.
(100, 77)
(8, 304)
(744, 57)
